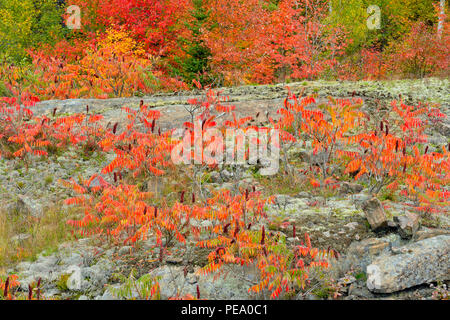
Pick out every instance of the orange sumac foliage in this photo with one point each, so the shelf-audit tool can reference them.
(123, 213)
(8, 287)
(391, 152)
(427, 181)
(239, 238)
(142, 152)
(387, 150)
(112, 65)
(329, 127)
(17, 127)
(286, 269)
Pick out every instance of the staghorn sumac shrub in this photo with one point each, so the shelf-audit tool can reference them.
(386, 149)
(287, 269)
(391, 152)
(427, 180)
(8, 287)
(141, 148)
(112, 64)
(198, 146)
(115, 66)
(385, 144)
(239, 238)
(117, 212)
(21, 135)
(328, 127)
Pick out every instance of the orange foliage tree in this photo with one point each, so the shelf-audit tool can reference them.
(254, 42)
(422, 52)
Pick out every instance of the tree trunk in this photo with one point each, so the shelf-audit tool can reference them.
(441, 17)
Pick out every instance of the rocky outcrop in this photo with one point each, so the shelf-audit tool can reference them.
(81, 269)
(231, 285)
(414, 264)
(75, 268)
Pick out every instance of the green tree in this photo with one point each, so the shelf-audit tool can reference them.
(396, 19)
(28, 23)
(194, 63)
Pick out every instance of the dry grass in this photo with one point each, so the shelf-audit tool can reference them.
(282, 184)
(43, 233)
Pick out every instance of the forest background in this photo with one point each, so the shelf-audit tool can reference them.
(137, 47)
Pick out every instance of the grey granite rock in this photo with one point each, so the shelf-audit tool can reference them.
(426, 233)
(408, 224)
(27, 206)
(362, 253)
(416, 263)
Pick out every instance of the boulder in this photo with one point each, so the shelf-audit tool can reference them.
(374, 212)
(416, 263)
(408, 224)
(75, 280)
(362, 253)
(26, 206)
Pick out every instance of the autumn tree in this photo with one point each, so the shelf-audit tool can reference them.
(303, 42)
(151, 22)
(237, 33)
